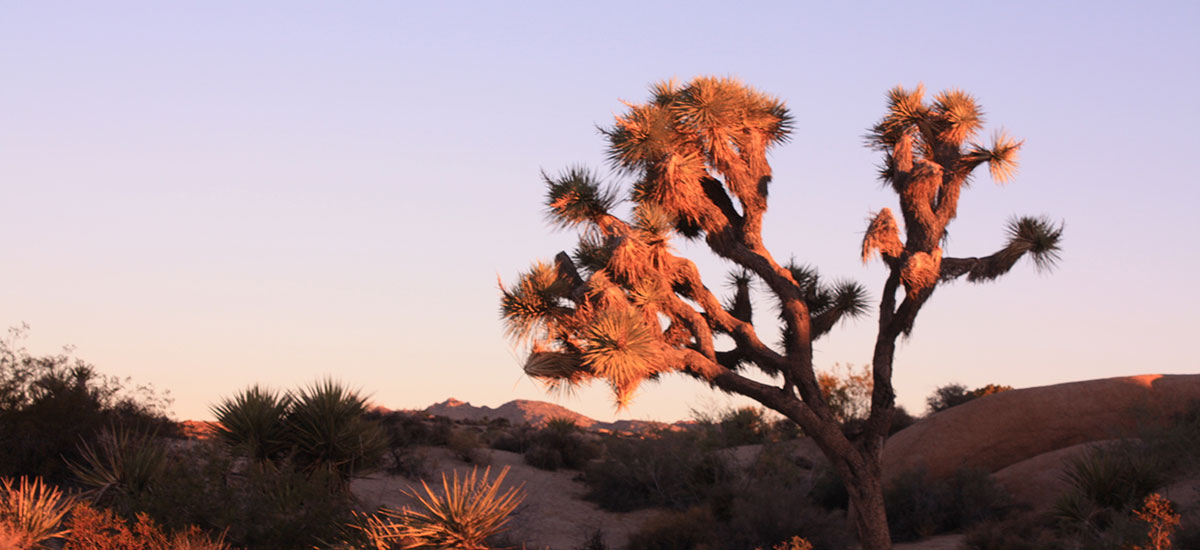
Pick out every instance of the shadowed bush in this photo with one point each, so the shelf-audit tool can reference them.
(560, 444)
(665, 469)
(919, 506)
(49, 404)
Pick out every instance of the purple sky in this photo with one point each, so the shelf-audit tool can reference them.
(205, 195)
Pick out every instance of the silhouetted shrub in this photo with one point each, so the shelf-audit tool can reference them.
(560, 444)
(664, 469)
(1026, 531)
(952, 395)
(466, 444)
(516, 439)
(689, 529)
(901, 419)
(919, 506)
(50, 404)
(827, 490)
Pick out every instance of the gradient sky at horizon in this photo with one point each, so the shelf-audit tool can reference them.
(205, 195)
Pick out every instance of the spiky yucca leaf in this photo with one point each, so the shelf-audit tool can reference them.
(576, 197)
(123, 461)
(960, 116)
(1040, 237)
(550, 365)
(622, 349)
(850, 299)
(252, 421)
(534, 301)
(462, 515)
(329, 433)
(32, 511)
(1001, 157)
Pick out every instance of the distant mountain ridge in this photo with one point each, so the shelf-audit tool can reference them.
(536, 413)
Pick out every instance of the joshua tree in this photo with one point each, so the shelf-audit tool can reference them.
(625, 308)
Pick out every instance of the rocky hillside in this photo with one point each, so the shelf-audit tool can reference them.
(536, 413)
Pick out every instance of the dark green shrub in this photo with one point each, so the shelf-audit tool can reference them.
(516, 439)
(827, 489)
(51, 404)
(466, 444)
(689, 529)
(560, 444)
(952, 395)
(919, 506)
(268, 506)
(1025, 531)
(733, 427)
(664, 469)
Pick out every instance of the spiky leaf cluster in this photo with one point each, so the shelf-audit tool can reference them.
(623, 307)
(930, 153)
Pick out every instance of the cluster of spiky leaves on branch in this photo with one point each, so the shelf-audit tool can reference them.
(625, 308)
(929, 156)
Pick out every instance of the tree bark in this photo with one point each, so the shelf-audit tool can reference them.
(867, 509)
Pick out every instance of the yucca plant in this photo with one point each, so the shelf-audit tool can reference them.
(252, 421)
(327, 429)
(463, 515)
(31, 512)
(122, 461)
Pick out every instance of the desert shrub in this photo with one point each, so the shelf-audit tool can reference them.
(413, 428)
(49, 404)
(560, 444)
(404, 432)
(263, 505)
(827, 489)
(1176, 443)
(770, 505)
(689, 529)
(919, 506)
(31, 512)
(594, 541)
(466, 444)
(901, 419)
(515, 439)
(847, 391)
(1025, 531)
(92, 529)
(952, 395)
(664, 469)
(464, 514)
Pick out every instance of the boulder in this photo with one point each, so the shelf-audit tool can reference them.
(1002, 429)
